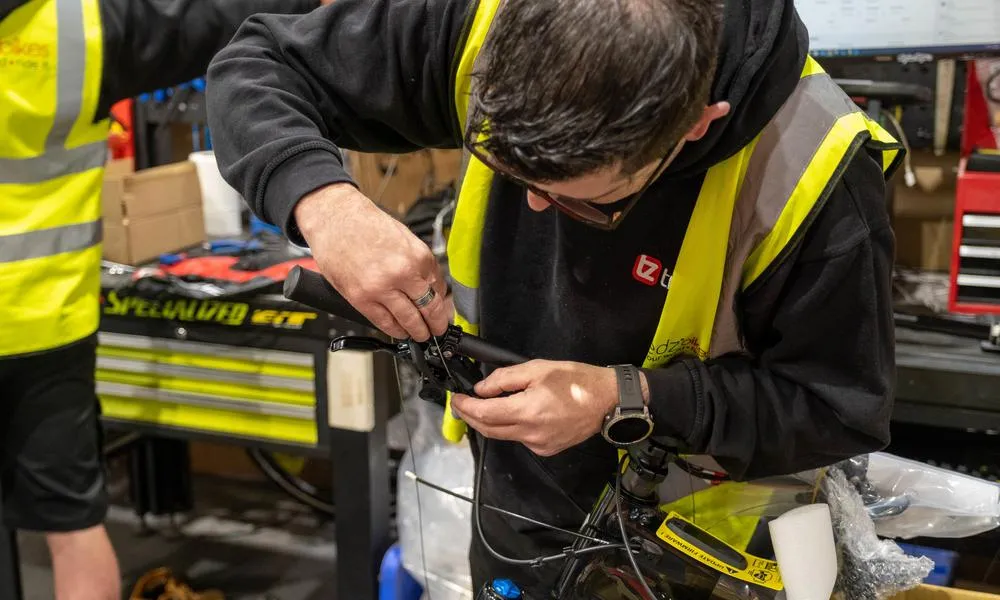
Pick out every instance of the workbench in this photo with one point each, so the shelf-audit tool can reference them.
(946, 381)
(255, 372)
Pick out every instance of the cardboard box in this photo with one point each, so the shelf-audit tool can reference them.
(924, 243)
(149, 212)
(396, 181)
(930, 592)
(933, 197)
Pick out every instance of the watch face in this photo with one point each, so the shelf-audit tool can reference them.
(629, 429)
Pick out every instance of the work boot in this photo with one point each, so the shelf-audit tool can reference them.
(161, 584)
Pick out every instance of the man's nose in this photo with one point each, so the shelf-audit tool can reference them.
(536, 202)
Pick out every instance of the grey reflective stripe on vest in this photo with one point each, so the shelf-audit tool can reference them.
(49, 242)
(783, 153)
(56, 162)
(71, 66)
(72, 61)
(466, 301)
(788, 144)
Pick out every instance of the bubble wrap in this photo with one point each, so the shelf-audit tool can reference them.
(870, 569)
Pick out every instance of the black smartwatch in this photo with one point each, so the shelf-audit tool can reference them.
(629, 423)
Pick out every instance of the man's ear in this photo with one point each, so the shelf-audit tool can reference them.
(711, 113)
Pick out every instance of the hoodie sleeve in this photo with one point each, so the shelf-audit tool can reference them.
(820, 328)
(154, 44)
(290, 92)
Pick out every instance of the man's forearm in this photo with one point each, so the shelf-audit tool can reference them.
(758, 423)
(290, 92)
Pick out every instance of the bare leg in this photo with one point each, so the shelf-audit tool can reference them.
(84, 565)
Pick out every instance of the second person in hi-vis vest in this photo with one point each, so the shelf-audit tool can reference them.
(63, 64)
(669, 184)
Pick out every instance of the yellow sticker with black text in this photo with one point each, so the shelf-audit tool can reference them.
(687, 538)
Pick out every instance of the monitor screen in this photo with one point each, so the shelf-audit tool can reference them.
(846, 28)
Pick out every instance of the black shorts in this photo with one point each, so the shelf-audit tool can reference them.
(51, 464)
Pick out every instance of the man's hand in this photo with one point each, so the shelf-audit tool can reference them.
(552, 406)
(374, 261)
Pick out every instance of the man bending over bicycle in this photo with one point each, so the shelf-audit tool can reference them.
(666, 200)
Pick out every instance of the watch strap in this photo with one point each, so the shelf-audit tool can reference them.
(629, 389)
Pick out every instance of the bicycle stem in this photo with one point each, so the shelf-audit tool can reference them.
(645, 470)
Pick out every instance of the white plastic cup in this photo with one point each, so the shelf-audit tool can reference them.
(221, 205)
(806, 553)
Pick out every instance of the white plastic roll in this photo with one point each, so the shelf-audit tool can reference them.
(806, 553)
(222, 206)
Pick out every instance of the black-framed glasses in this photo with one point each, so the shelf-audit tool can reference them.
(581, 210)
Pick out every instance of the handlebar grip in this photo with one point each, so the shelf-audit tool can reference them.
(312, 289)
(482, 351)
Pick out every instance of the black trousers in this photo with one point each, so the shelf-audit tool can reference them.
(52, 475)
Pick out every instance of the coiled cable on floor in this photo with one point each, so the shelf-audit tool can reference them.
(290, 484)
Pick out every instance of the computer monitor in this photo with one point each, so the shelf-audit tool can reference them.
(873, 28)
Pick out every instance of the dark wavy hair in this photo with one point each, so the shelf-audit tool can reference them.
(566, 87)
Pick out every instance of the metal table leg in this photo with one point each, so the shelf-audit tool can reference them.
(362, 388)
(160, 477)
(10, 566)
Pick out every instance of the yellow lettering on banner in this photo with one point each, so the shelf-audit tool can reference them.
(263, 317)
(296, 320)
(759, 571)
(226, 313)
(232, 313)
(114, 305)
(206, 312)
(285, 319)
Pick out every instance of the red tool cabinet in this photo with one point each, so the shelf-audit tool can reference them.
(975, 258)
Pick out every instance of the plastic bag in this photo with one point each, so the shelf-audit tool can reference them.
(434, 528)
(870, 569)
(910, 499)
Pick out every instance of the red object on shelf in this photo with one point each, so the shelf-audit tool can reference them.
(976, 128)
(221, 267)
(120, 141)
(978, 194)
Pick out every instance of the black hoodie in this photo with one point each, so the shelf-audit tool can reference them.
(375, 75)
(154, 44)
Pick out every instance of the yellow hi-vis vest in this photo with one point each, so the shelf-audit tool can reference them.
(52, 155)
(753, 207)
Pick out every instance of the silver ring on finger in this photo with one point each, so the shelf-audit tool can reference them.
(426, 299)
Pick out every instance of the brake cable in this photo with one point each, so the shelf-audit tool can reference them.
(530, 562)
(621, 527)
(507, 513)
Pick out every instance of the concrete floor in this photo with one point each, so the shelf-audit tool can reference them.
(245, 540)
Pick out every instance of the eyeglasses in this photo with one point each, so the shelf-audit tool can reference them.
(581, 210)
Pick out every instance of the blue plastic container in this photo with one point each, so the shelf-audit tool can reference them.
(395, 582)
(944, 563)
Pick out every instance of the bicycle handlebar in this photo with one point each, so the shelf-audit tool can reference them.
(484, 352)
(312, 289)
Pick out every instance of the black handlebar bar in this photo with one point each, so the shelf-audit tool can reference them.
(312, 289)
(477, 349)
